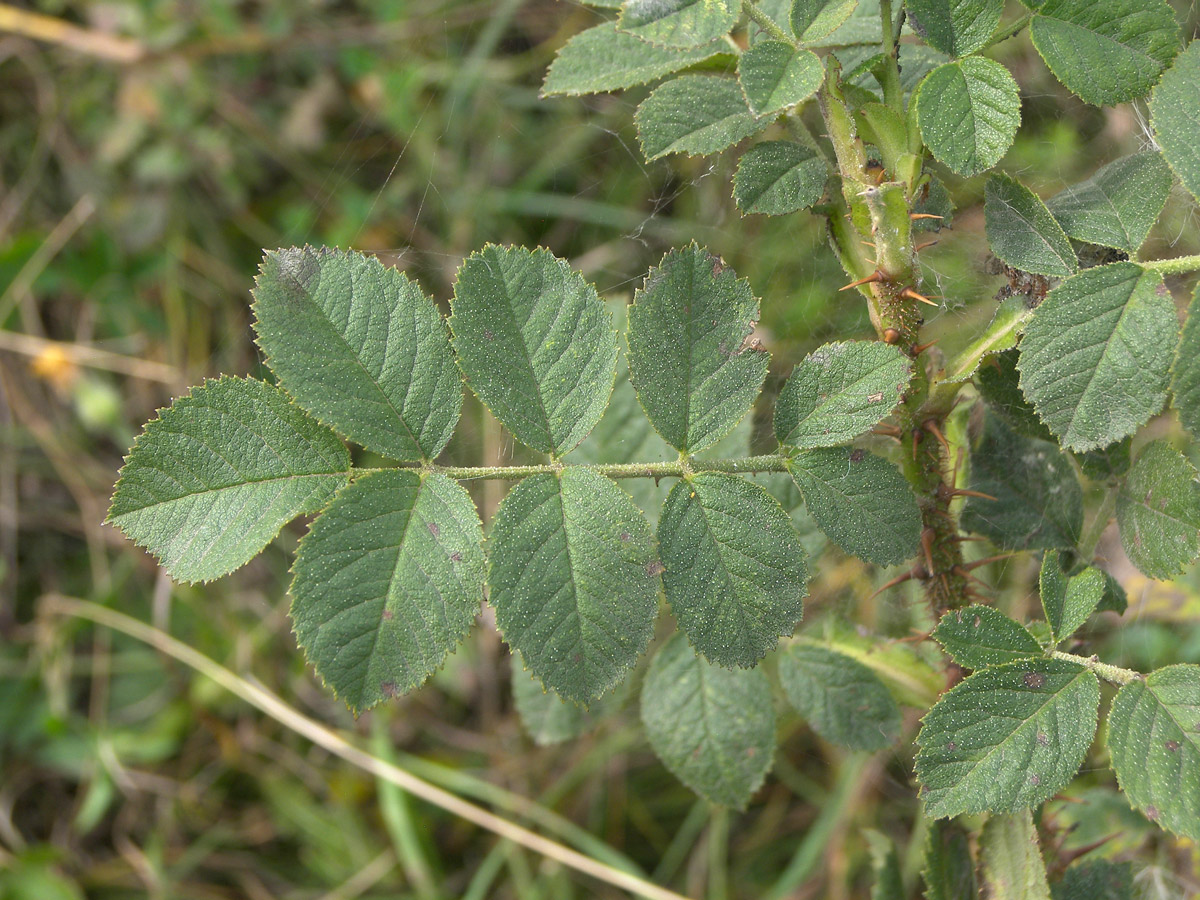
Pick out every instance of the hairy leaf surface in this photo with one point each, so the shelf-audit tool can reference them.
(1175, 117)
(735, 569)
(360, 347)
(547, 717)
(1067, 602)
(840, 391)
(956, 27)
(1021, 231)
(979, 636)
(775, 178)
(861, 501)
(949, 871)
(1118, 205)
(1154, 744)
(1095, 879)
(1006, 738)
(776, 76)
(714, 728)
(696, 115)
(574, 580)
(679, 23)
(387, 582)
(210, 482)
(535, 342)
(1185, 375)
(605, 59)
(1012, 865)
(1108, 52)
(968, 112)
(688, 358)
(1096, 355)
(1158, 511)
(1000, 385)
(812, 20)
(839, 697)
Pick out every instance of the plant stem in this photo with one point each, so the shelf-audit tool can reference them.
(773, 462)
(290, 718)
(1114, 674)
(1180, 265)
(893, 91)
(1012, 29)
(766, 23)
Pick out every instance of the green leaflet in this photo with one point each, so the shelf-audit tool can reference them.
(861, 501)
(696, 115)
(1108, 52)
(735, 569)
(956, 27)
(813, 20)
(779, 177)
(968, 111)
(887, 882)
(1068, 602)
(386, 583)
(1154, 745)
(714, 728)
(949, 871)
(360, 347)
(210, 482)
(1021, 231)
(1012, 865)
(1006, 738)
(535, 342)
(573, 578)
(1096, 354)
(605, 59)
(1039, 503)
(1095, 879)
(1175, 117)
(1118, 205)
(1158, 511)
(1185, 374)
(840, 391)
(1107, 463)
(547, 717)
(979, 636)
(1001, 335)
(999, 384)
(776, 76)
(688, 359)
(839, 697)
(679, 23)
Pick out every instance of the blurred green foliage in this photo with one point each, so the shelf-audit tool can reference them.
(135, 200)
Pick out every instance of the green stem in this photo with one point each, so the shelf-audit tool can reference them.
(1012, 29)
(773, 462)
(766, 23)
(1114, 674)
(893, 91)
(1181, 265)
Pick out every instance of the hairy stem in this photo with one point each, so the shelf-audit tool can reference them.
(1012, 29)
(1114, 674)
(1180, 265)
(773, 462)
(765, 22)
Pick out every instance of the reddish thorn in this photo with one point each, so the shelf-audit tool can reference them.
(924, 216)
(972, 566)
(921, 348)
(870, 279)
(870, 244)
(913, 295)
(927, 536)
(897, 581)
(963, 492)
(931, 426)
(924, 246)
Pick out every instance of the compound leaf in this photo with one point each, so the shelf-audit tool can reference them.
(1021, 231)
(696, 115)
(1154, 745)
(573, 578)
(840, 391)
(714, 728)
(735, 573)
(949, 871)
(547, 717)
(842, 699)
(1158, 511)
(387, 582)
(968, 111)
(1067, 602)
(679, 23)
(1175, 117)
(1118, 205)
(360, 347)
(956, 27)
(1012, 865)
(605, 59)
(210, 482)
(688, 359)
(775, 178)
(776, 76)
(1006, 738)
(1095, 879)
(1108, 52)
(1096, 356)
(1038, 501)
(536, 344)
(861, 501)
(1185, 375)
(979, 636)
(812, 20)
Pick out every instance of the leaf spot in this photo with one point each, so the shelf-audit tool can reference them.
(1034, 679)
(654, 568)
(388, 689)
(387, 615)
(877, 397)
(434, 529)
(1173, 746)
(1152, 813)
(857, 455)
(1035, 780)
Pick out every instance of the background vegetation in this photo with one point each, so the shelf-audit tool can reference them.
(145, 161)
